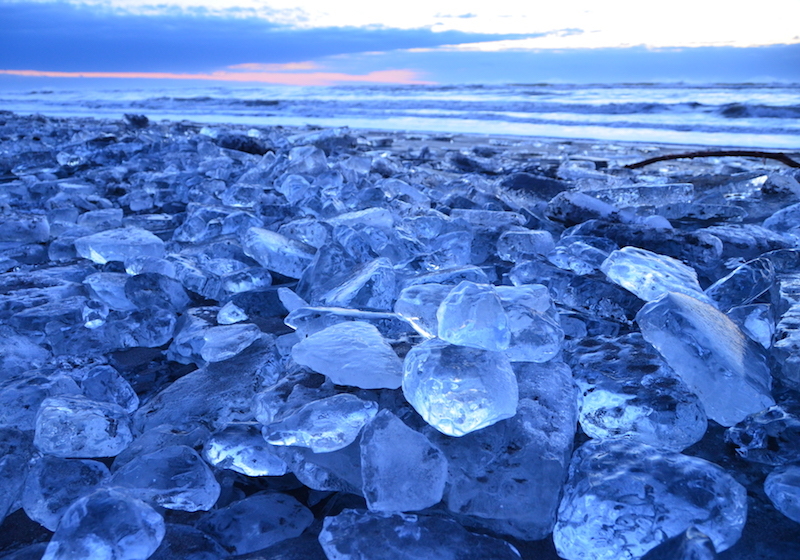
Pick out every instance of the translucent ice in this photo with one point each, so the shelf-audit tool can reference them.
(783, 489)
(357, 535)
(692, 544)
(226, 341)
(53, 484)
(650, 275)
(275, 252)
(323, 425)
(458, 390)
(508, 477)
(351, 353)
(419, 303)
(624, 498)
(725, 368)
(80, 427)
(119, 245)
(241, 448)
(743, 285)
(16, 450)
(401, 469)
(257, 522)
(771, 436)
(516, 246)
(106, 524)
(472, 315)
(628, 389)
(371, 286)
(174, 477)
(533, 320)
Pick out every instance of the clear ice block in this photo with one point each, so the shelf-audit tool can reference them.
(351, 353)
(472, 315)
(401, 469)
(458, 390)
(119, 245)
(725, 368)
(624, 498)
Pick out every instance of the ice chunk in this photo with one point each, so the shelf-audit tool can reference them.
(187, 543)
(277, 253)
(756, 321)
(226, 341)
(624, 498)
(82, 428)
(119, 245)
(508, 477)
(533, 320)
(158, 438)
(771, 437)
(580, 253)
(689, 545)
(628, 389)
(21, 398)
(106, 524)
(24, 228)
(644, 195)
(725, 368)
(783, 489)
(309, 320)
(174, 477)
(650, 275)
(458, 390)
(419, 303)
(241, 448)
(216, 394)
(351, 353)
(153, 290)
(323, 425)
(472, 315)
(53, 484)
(357, 535)
(516, 246)
(257, 522)
(742, 286)
(401, 469)
(336, 471)
(16, 450)
(230, 314)
(104, 383)
(372, 286)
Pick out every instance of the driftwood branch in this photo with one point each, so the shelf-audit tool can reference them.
(783, 158)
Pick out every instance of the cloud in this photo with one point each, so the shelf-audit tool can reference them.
(61, 37)
(264, 77)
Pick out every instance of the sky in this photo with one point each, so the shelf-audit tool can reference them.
(321, 42)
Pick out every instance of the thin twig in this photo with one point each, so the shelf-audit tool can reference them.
(781, 157)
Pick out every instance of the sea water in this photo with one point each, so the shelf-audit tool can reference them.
(735, 115)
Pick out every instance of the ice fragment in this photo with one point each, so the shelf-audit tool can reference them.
(119, 245)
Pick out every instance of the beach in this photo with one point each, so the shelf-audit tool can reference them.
(189, 260)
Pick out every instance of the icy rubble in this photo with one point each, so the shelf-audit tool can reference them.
(219, 341)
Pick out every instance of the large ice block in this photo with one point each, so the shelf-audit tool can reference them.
(275, 252)
(359, 535)
(106, 524)
(323, 425)
(724, 367)
(472, 315)
(624, 498)
(351, 353)
(458, 390)
(401, 469)
(119, 245)
(650, 275)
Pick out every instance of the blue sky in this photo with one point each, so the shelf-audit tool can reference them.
(465, 41)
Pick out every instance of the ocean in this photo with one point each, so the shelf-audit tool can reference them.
(761, 116)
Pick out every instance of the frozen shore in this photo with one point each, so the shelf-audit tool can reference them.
(195, 297)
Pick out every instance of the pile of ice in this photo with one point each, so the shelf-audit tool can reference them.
(297, 344)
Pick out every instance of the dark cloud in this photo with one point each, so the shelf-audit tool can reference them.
(57, 36)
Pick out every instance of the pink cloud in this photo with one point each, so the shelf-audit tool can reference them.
(258, 75)
(285, 67)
